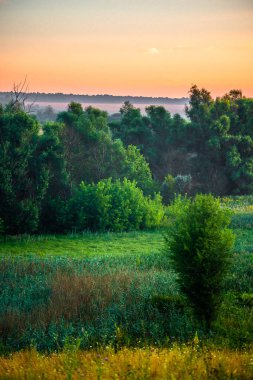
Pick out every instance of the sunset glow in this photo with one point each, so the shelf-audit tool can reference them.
(136, 47)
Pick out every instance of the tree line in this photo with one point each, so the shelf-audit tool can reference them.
(79, 171)
(214, 146)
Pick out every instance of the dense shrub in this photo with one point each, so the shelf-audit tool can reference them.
(115, 206)
(200, 243)
(23, 171)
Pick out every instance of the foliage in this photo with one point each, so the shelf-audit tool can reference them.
(41, 166)
(221, 136)
(114, 206)
(55, 201)
(88, 148)
(23, 171)
(214, 145)
(200, 246)
(137, 169)
(154, 134)
(246, 299)
(92, 154)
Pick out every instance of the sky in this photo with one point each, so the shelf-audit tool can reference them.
(127, 47)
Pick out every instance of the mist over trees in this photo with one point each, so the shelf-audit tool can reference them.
(215, 146)
(43, 163)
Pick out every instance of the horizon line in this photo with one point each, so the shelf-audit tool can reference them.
(82, 94)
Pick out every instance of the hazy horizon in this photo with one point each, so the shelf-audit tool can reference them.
(112, 108)
(86, 94)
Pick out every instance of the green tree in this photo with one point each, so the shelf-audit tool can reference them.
(199, 106)
(54, 204)
(200, 243)
(23, 172)
(87, 143)
(137, 169)
(160, 122)
(133, 129)
(92, 154)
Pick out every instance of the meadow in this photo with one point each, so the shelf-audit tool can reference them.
(182, 363)
(105, 305)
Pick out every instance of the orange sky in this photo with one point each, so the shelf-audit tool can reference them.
(136, 47)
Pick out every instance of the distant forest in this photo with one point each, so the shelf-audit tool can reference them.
(87, 171)
(100, 98)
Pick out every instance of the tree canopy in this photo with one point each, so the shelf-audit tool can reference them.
(42, 165)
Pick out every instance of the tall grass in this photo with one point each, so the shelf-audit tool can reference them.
(45, 301)
(182, 363)
(110, 289)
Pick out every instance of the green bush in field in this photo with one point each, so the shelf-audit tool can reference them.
(115, 206)
(200, 243)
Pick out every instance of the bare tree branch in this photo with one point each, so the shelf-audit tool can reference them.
(19, 96)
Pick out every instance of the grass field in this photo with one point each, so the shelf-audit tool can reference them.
(83, 245)
(182, 363)
(101, 290)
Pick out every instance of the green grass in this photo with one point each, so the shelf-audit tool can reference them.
(93, 286)
(82, 245)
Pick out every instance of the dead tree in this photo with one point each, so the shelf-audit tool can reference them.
(19, 96)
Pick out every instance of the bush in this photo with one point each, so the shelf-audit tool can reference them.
(200, 243)
(246, 299)
(114, 206)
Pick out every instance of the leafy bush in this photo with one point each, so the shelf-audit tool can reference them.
(200, 243)
(246, 299)
(137, 169)
(115, 206)
(154, 213)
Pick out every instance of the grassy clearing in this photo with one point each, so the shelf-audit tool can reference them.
(86, 244)
(147, 363)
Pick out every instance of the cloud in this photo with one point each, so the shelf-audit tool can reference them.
(153, 51)
(3, 1)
